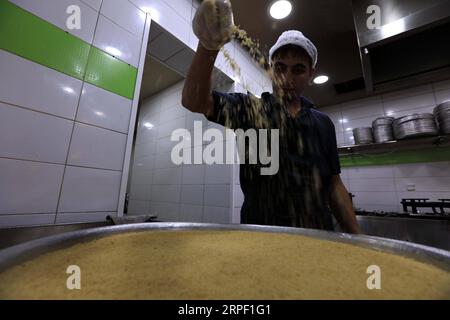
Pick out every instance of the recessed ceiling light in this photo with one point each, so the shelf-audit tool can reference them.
(321, 79)
(280, 9)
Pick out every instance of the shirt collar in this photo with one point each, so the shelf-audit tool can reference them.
(306, 104)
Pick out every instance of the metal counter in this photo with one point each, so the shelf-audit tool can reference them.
(430, 232)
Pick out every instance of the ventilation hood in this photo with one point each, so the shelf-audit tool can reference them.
(410, 46)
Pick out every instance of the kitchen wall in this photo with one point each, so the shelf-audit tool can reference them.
(382, 187)
(68, 102)
(65, 108)
(176, 193)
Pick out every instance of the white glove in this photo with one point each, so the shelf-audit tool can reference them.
(213, 23)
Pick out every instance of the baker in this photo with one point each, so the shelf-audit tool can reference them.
(307, 189)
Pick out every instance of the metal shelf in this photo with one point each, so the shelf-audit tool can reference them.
(392, 146)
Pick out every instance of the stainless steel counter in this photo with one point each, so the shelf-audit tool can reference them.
(17, 235)
(430, 232)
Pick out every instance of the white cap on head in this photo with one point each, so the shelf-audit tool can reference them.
(296, 38)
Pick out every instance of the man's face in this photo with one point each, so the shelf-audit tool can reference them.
(291, 74)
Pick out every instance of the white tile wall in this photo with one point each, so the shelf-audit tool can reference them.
(179, 189)
(164, 161)
(104, 109)
(55, 12)
(217, 195)
(94, 4)
(168, 126)
(140, 192)
(46, 90)
(118, 42)
(437, 169)
(191, 213)
(431, 184)
(216, 215)
(51, 92)
(383, 187)
(373, 185)
(147, 134)
(442, 96)
(194, 175)
(174, 112)
(142, 177)
(145, 163)
(167, 176)
(38, 106)
(173, 20)
(375, 198)
(442, 91)
(89, 190)
(97, 148)
(139, 207)
(125, 14)
(192, 194)
(166, 212)
(31, 135)
(29, 187)
(165, 193)
(374, 172)
(218, 174)
(409, 102)
(362, 108)
(181, 6)
(349, 125)
(67, 218)
(26, 220)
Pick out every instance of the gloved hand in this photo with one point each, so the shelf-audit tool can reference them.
(213, 23)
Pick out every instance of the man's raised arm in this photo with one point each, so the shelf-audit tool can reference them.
(213, 25)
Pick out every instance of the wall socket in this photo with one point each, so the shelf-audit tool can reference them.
(411, 187)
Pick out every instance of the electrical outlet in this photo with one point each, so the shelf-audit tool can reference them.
(411, 187)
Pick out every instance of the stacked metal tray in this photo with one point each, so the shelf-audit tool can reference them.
(442, 116)
(415, 125)
(363, 135)
(382, 129)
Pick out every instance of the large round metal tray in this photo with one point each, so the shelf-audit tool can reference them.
(20, 253)
(382, 121)
(411, 117)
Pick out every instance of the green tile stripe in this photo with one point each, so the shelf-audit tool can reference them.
(32, 38)
(37, 40)
(401, 157)
(111, 74)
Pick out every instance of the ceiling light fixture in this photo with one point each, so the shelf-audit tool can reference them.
(321, 79)
(280, 9)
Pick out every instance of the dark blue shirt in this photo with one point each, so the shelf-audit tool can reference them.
(297, 195)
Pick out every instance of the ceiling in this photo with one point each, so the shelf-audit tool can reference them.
(157, 77)
(328, 23)
(167, 63)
